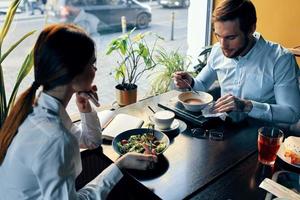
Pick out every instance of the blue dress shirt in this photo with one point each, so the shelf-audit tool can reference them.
(266, 75)
(43, 159)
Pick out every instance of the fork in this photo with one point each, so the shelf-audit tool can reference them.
(151, 131)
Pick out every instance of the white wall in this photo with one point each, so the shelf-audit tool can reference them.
(198, 33)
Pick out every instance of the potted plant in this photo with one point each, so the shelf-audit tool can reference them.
(169, 62)
(136, 57)
(24, 70)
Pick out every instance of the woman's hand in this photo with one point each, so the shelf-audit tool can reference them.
(133, 160)
(181, 79)
(82, 101)
(230, 103)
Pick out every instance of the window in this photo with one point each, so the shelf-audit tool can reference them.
(158, 20)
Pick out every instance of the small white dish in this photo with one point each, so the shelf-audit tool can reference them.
(175, 124)
(163, 119)
(281, 153)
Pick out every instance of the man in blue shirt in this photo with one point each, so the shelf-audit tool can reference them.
(257, 78)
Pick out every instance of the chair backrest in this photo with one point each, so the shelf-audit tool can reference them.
(93, 163)
(295, 51)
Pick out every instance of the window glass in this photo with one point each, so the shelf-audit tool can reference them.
(78, 2)
(102, 22)
(114, 2)
(97, 2)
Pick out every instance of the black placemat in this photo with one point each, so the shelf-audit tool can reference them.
(195, 118)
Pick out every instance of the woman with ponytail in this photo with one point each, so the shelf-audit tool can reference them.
(39, 144)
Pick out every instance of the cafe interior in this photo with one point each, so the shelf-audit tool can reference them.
(209, 159)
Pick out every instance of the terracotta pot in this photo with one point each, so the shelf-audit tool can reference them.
(126, 96)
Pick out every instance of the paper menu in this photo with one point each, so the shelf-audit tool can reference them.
(105, 117)
(120, 123)
(278, 190)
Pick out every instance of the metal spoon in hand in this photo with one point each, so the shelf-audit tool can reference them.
(192, 89)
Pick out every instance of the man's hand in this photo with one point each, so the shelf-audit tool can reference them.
(230, 103)
(181, 79)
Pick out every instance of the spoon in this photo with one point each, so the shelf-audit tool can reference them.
(151, 109)
(192, 89)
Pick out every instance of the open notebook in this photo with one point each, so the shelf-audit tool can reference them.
(118, 124)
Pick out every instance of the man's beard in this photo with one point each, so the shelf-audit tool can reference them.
(240, 50)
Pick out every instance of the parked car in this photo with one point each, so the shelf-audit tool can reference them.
(174, 3)
(107, 12)
(4, 4)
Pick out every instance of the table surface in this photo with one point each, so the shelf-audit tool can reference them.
(192, 167)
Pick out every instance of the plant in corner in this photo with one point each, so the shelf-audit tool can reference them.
(136, 57)
(169, 62)
(24, 70)
(202, 58)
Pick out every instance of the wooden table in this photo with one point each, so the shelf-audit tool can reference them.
(202, 168)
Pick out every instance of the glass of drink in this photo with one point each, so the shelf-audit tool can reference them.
(269, 141)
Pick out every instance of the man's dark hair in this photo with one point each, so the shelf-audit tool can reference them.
(243, 10)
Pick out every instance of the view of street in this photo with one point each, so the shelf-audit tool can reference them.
(161, 24)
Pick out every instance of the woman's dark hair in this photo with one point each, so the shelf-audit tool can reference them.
(243, 10)
(61, 52)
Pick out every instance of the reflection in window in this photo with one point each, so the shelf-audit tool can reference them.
(114, 2)
(77, 2)
(109, 12)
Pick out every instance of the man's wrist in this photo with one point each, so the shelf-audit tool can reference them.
(247, 106)
(192, 83)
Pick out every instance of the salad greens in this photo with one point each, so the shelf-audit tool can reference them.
(145, 143)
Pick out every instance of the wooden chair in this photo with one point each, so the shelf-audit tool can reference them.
(94, 162)
(295, 51)
(295, 128)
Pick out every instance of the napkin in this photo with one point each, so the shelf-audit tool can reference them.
(207, 112)
(278, 190)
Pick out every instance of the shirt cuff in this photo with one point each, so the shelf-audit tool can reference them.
(108, 178)
(100, 187)
(261, 111)
(91, 129)
(192, 83)
(112, 174)
(90, 118)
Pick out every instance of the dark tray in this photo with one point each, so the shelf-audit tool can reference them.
(195, 118)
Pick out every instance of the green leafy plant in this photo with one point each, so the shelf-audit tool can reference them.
(24, 70)
(170, 63)
(136, 57)
(202, 58)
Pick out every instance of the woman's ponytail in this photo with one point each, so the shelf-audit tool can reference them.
(15, 118)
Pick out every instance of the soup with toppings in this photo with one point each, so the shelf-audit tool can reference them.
(193, 101)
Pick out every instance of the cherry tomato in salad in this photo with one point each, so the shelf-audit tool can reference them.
(153, 152)
(124, 142)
